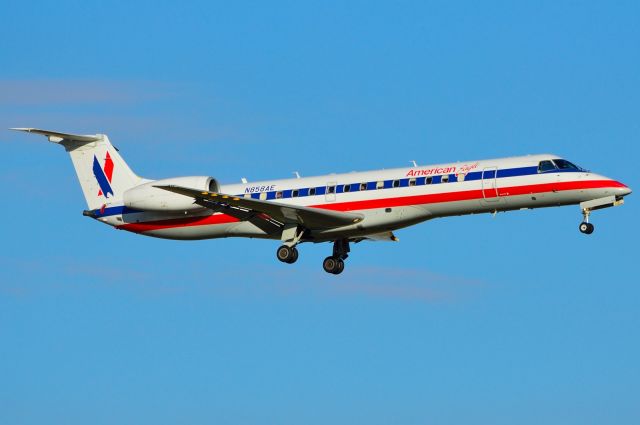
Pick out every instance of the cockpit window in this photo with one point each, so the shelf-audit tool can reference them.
(545, 166)
(563, 164)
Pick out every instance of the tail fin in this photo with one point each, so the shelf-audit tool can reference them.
(103, 174)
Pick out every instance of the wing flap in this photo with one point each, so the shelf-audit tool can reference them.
(310, 218)
(382, 237)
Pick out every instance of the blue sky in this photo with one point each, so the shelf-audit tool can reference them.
(512, 319)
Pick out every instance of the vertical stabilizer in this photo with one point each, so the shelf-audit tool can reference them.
(104, 176)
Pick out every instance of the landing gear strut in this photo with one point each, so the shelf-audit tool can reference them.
(586, 227)
(335, 263)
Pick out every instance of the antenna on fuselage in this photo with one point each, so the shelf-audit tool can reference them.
(296, 174)
(414, 163)
(243, 180)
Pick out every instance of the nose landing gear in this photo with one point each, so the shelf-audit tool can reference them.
(596, 204)
(586, 227)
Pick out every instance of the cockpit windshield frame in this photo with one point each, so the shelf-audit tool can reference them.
(558, 165)
(564, 165)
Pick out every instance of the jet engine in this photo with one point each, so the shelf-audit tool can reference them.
(150, 198)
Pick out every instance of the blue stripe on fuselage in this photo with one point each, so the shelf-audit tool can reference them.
(117, 210)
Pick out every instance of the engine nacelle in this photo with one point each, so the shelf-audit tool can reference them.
(149, 198)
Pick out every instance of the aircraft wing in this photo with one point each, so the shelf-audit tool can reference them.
(310, 218)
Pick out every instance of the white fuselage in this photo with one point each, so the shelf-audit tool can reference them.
(388, 199)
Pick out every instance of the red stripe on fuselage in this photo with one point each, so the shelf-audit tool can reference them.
(178, 222)
(390, 202)
(468, 195)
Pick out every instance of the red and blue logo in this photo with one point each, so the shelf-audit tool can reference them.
(103, 175)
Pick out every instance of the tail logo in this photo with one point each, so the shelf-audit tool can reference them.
(103, 175)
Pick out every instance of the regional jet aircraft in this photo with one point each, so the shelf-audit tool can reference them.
(338, 208)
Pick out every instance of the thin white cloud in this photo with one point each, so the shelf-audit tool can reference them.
(368, 282)
(390, 283)
(38, 92)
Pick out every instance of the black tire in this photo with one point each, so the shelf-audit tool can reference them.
(330, 264)
(586, 228)
(284, 253)
(294, 255)
(340, 267)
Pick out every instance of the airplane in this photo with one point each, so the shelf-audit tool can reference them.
(338, 208)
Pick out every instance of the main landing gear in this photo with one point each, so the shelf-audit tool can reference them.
(291, 236)
(287, 254)
(333, 264)
(586, 227)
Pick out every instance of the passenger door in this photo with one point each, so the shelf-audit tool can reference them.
(490, 184)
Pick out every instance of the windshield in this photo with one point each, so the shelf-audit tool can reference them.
(545, 166)
(563, 164)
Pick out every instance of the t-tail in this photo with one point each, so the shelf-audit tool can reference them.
(104, 176)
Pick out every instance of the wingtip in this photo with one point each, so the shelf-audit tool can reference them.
(21, 129)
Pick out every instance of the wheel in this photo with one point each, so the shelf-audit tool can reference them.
(586, 228)
(333, 265)
(285, 254)
(330, 264)
(294, 255)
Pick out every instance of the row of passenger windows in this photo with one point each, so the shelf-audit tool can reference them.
(351, 187)
(544, 166)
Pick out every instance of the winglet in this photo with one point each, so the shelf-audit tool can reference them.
(57, 137)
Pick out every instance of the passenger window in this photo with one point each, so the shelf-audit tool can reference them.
(347, 188)
(247, 195)
(380, 185)
(412, 182)
(263, 195)
(278, 195)
(295, 193)
(429, 180)
(546, 166)
(445, 179)
(312, 191)
(363, 186)
(331, 189)
(396, 183)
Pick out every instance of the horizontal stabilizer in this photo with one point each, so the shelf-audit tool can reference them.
(57, 137)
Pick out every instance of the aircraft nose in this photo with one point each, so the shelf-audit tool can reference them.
(623, 189)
